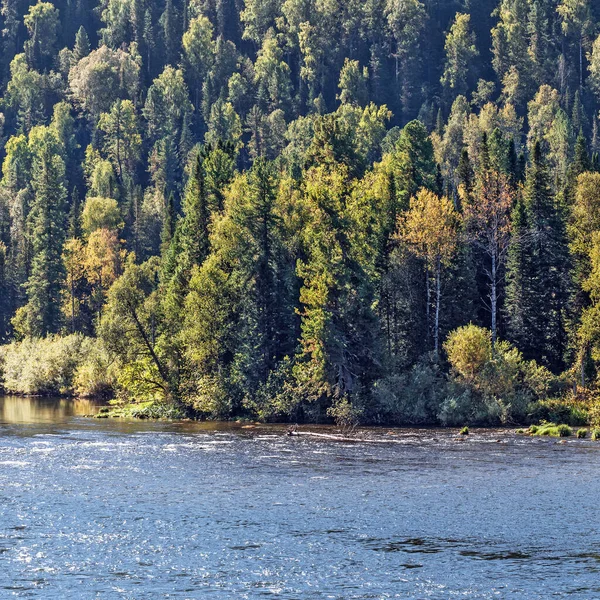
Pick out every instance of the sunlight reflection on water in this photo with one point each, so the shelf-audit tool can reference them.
(115, 509)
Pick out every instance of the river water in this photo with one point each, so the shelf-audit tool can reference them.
(133, 510)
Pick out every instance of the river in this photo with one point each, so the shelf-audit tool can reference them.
(95, 508)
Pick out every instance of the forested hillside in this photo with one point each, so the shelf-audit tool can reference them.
(385, 210)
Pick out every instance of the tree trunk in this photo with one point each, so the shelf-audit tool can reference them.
(581, 63)
(72, 305)
(428, 306)
(438, 293)
(494, 299)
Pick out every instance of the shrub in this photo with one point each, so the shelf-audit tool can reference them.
(469, 350)
(581, 434)
(54, 365)
(413, 398)
(464, 431)
(551, 429)
(500, 382)
(345, 414)
(467, 406)
(564, 431)
(564, 410)
(211, 398)
(95, 376)
(596, 434)
(278, 398)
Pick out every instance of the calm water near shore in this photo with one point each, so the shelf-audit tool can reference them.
(141, 510)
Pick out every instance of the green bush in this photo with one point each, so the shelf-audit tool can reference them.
(563, 410)
(345, 414)
(551, 429)
(596, 434)
(500, 383)
(581, 434)
(68, 365)
(413, 398)
(467, 406)
(95, 376)
(211, 398)
(464, 431)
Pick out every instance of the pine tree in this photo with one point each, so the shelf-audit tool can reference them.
(149, 43)
(171, 34)
(579, 120)
(539, 272)
(513, 163)
(5, 308)
(581, 162)
(465, 180)
(42, 312)
(267, 340)
(82, 44)
(189, 245)
(517, 301)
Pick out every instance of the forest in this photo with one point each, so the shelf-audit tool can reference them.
(379, 211)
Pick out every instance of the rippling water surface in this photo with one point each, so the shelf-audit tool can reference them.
(108, 509)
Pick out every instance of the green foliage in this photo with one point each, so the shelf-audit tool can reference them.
(345, 415)
(563, 410)
(582, 434)
(41, 315)
(460, 52)
(71, 364)
(101, 213)
(374, 176)
(413, 398)
(539, 271)
(499, 384)
(551, 430)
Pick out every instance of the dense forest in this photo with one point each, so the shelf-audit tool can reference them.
(385, 210)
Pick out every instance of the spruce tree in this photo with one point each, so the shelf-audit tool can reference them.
(465, 178)
(189, 245)
(539, 272)
(82, 44)
(47, 226)
(581, 162)
(517, 267)
(168, 229)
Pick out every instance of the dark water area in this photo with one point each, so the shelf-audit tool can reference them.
(135, 510)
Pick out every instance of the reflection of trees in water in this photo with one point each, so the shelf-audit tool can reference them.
(16, 409)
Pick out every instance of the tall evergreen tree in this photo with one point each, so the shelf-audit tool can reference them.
(42, 313)
(190, 244)
(539, 271)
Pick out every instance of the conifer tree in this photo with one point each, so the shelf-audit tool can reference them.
(42, 313)
(539, 271)
(82, 44)
(189, 243)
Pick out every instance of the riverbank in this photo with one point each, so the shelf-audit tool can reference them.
(42, 411)
(506, 389)
(553, 414)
